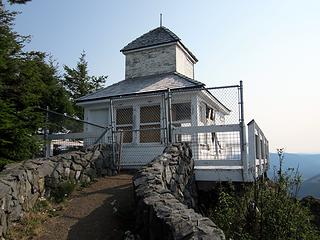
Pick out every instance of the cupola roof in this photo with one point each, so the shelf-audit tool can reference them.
(158, 36)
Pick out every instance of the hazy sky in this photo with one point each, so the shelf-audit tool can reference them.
(273, 46)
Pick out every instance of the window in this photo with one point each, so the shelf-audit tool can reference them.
(181, 112)
(181, 117)
(202, 114)
(150, 124)
(124, 118)
(209, 113)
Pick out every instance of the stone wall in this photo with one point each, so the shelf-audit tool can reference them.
(23, 183)
(162, 192)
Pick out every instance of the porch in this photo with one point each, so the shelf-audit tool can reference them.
(242, 159)
(211, 120)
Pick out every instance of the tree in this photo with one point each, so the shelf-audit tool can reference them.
(78, 83)
(19, 1)
(27, 81)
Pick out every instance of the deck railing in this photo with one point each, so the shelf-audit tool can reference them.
(258, 152)
(228, 162)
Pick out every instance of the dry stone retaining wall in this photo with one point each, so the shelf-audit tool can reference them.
(23, 183)
(162, 192)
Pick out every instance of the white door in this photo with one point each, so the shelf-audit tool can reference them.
(100, 117)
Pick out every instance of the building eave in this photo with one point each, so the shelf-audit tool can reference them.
(94, 100)
(148, 47)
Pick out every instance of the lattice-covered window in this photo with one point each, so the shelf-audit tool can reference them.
(124, 119)
(181, 112)
(150, 124)
(181, 117)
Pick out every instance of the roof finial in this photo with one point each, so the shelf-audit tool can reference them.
(160, 19)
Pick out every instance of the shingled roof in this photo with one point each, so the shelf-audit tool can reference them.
(155, 37)
(146, 84)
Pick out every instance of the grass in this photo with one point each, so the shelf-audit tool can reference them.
(31, 225)
(62, 191)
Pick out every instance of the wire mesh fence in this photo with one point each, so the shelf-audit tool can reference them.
(144, 127)
(146, 123)
(197, 109)
(213, 145)
(207, 106)
(62, 133)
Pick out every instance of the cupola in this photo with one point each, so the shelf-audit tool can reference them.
(156, 52)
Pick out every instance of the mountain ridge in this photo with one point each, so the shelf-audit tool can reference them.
(308, 165)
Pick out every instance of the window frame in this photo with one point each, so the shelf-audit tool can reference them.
(127, 124)
(183, 123)
(143, 124)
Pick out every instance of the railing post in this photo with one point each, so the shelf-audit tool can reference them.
(47, 143)
(164, 125)
(169, 117)
(252, 149)
(243, 137)
(48, 148)
(112, 131)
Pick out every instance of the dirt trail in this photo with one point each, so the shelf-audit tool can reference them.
(104, 210)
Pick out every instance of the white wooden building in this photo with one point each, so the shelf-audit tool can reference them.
(159, 102)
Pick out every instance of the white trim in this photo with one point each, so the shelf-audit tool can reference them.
(125, 52)
(72, 135)
(189, 57)
(218, 163)
(217, 105)
(85, 103)
(205, 129)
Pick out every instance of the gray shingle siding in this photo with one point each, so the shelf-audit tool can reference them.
(160, 35)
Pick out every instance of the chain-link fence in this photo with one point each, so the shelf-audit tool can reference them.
(143, 121)
(62, 133)
(200, 117)
(148, 122)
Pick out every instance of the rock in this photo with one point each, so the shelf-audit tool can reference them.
(46, 169)
(77, 176)
(23, 183)
(15, 211)
(76, 167)
(41, 186)
(66, 172)
(4, 190)
(3, 223)
(91, 172)
(161, 188)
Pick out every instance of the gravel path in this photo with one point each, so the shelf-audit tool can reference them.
(104, 210)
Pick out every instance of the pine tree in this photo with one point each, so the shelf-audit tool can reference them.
(27, 81)
(78, 83)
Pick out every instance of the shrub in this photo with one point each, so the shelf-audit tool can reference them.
(62, 190)
(266, 210)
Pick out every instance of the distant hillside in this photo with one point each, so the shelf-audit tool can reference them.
(311, 187)
(309, 167)
(308, 164)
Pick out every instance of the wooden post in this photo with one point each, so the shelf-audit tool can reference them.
(252, 150)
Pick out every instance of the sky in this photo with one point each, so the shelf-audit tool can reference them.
(273, 46)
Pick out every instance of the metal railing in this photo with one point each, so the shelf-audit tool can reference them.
(210, 119)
